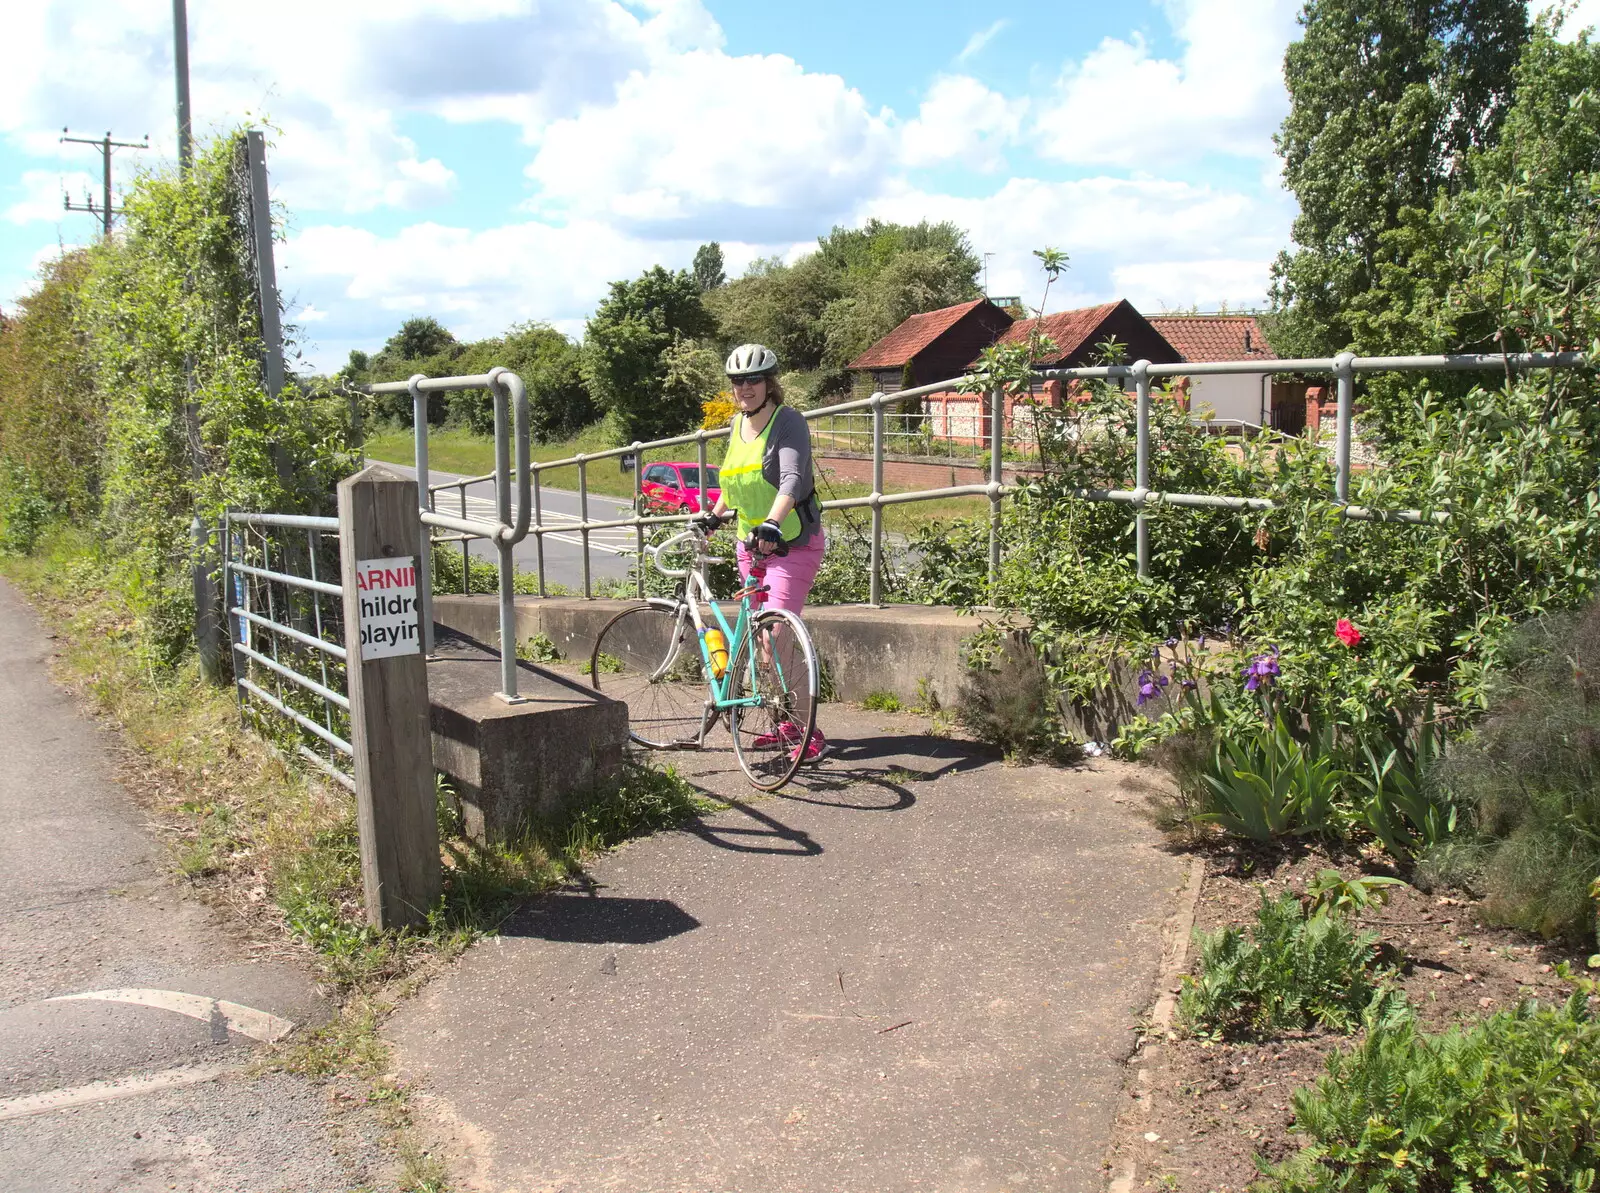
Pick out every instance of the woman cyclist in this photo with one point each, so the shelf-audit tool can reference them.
(767, 481)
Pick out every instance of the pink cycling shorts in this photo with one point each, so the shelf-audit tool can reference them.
(790, 576)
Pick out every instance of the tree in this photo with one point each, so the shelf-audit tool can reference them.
(418, 338)
(1388, 100)
(624, 352)
(860, 283)
(708, 273)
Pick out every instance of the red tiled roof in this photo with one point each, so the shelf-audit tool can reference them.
(1069, 329)
(1213, 337)
(897, 348)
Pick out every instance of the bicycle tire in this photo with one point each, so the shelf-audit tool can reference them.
(648, 657)
(769, 738)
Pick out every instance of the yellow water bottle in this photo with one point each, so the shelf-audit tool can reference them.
(716, 651)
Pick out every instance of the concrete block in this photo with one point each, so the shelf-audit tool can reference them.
(514, 762)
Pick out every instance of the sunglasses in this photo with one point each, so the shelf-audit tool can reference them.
(753, 379)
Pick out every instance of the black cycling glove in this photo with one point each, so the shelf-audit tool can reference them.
(708, 522)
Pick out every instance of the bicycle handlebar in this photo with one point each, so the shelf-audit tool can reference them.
(694, 532)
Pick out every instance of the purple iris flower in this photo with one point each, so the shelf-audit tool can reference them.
(1261, 669)
(1189, 685)
(1170, 643)
(1202, 641)
(1147, 688)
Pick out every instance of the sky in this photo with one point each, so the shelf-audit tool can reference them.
(489, 162)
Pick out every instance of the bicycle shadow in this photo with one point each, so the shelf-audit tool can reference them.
(766, 834)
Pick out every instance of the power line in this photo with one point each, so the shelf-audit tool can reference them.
(105, 145)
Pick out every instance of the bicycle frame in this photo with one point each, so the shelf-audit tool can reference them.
(697, 592)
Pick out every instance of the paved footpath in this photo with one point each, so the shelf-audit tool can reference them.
(875, 981)
(126, 1010)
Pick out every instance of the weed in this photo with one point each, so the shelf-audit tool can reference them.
(1007, 702)
(1509, 1103)
(608, 664)
(1330, 893)
(1295, 970)
(881, 702)
(927, 704)
(538, 649)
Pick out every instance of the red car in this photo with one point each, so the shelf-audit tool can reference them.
(676, 486)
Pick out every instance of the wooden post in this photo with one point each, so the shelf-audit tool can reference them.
(388, 686)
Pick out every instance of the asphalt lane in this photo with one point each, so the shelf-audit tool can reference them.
(127, 1009)
(610, 551)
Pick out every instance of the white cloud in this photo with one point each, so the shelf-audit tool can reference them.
(1123, 235)
(335, 78)
(43, 192)
(981, 38)
(963, 121)
(1121, 106)
(706, 145)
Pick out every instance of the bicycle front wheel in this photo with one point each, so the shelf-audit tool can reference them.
(776, 670)
(648, 656)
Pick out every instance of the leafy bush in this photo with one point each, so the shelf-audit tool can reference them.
(881, 702)
(1530, 774)
(24, 511)
(1511, 1103)
(1295, 970)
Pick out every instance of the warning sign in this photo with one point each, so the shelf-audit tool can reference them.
(388, 591)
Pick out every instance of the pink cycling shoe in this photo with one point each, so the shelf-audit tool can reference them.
(787, 732)
(816, 749)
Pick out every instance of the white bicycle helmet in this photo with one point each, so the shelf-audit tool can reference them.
(748, 360)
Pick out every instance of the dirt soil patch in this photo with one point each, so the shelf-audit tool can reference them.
(1197, 1114)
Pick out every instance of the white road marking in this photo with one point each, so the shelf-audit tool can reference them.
(106, 1091)
(247, 1021)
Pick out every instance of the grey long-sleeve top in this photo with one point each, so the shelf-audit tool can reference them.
(786, 466)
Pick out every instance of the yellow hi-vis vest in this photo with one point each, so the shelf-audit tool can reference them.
(744, 488)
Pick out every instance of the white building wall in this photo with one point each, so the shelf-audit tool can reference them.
(1236, 397)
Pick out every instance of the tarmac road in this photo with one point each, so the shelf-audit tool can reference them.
(127, 1009)
(610, 551)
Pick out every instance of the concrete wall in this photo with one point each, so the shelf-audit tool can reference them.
(896, 649)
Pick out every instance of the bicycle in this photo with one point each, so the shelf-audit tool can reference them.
(656, 657)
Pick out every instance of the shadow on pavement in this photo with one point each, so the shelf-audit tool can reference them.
(767, 835)
(597, 919)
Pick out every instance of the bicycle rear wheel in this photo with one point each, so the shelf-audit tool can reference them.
(648, 656)
(777, 668)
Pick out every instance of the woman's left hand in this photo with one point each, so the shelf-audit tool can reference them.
(767, 537)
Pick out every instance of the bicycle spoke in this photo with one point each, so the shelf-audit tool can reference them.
(648, 657)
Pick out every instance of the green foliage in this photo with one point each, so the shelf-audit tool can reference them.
(1387, 101)
(861, 283)
(1530, 775)
(708, 273)
(881, 702)
(51, 423)
(1331, 893)
(1267, 784)
(1510, 1103)
(1294, 971)
(1404, 808)
(1006, 701)
(539, 649)
(625, 353)
(24, 511)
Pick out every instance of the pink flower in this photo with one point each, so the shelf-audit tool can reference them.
(1347, 633)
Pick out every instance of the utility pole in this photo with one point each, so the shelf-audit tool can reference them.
(105, 145)
(180, 64)
(986, 257)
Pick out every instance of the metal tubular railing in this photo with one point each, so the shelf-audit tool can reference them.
(1140, 374)
(249, 586)
(506, 390)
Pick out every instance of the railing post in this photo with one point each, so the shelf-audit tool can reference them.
(507, 570)
(583, 521)
(419, 432)
(700, 456)
(538, 530)
(1141, 482)
(996, 474)
(875, 580)
(1345, 375)
(387, 682)
(638, 510)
